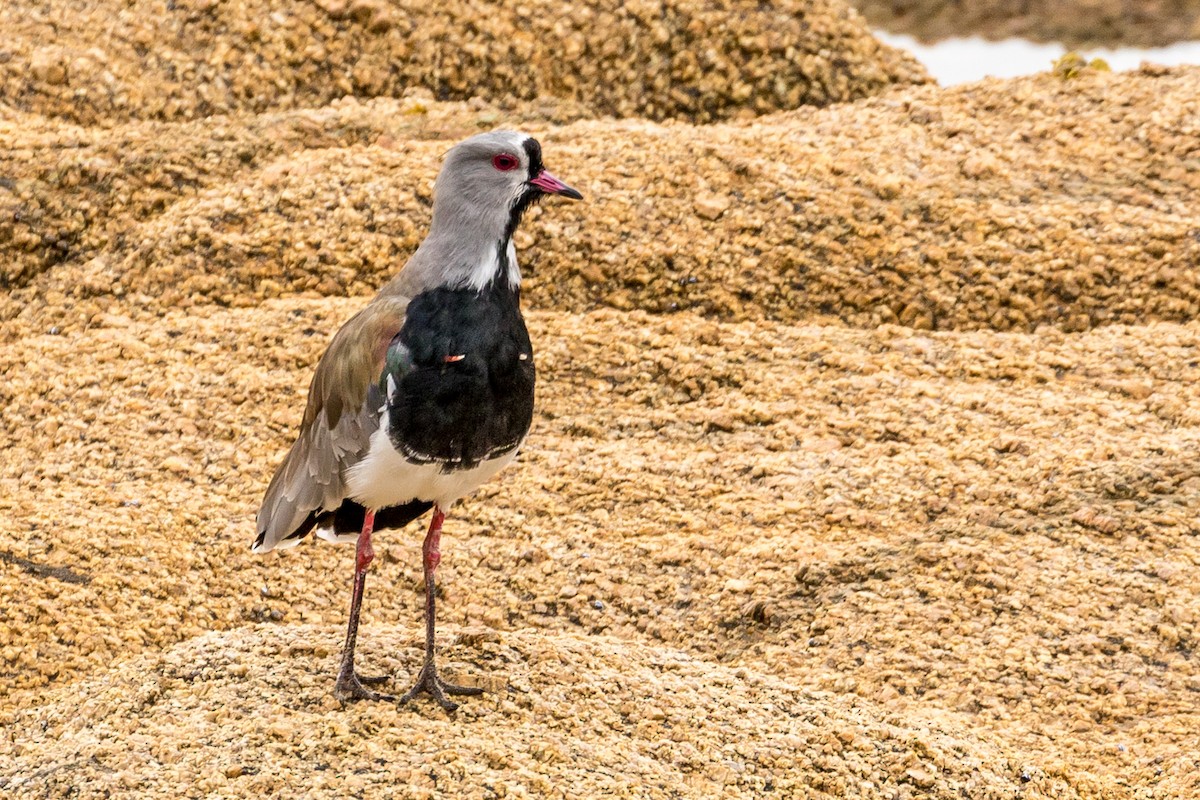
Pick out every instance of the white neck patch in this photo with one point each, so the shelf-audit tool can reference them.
(489, 265)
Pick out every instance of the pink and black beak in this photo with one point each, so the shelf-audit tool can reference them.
(541, 182)
(548, 184)
(538, 184)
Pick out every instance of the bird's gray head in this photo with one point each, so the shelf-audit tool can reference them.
(485, 186)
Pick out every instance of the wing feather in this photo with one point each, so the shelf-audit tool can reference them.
(342, 412)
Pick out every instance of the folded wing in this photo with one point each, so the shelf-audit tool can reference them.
(344, 402)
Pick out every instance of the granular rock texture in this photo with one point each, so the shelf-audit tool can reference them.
(763, 539)
(93, 61)
(571, 715)
(987, 538)
(1146, 23)
(1003, 205)
(71, 194)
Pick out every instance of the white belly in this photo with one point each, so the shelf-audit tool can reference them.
(385, 478)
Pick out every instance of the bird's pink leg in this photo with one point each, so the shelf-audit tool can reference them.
(349, 684)
(428, 680)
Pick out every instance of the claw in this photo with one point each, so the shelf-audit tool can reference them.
(373, 680)
(429, 683)
(349, 688)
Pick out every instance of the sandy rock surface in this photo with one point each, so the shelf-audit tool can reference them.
(569, 716)
(93, 61)
(1144, 23)
(1002, 205)
(990, 535)
(864, 465)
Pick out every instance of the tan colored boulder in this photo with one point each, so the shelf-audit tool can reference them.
(691, 59)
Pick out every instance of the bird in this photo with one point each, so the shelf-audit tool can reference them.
(424, 394)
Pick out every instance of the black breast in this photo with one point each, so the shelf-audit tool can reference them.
(461, 376)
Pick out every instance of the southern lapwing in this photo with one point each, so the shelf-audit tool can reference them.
(424, 394)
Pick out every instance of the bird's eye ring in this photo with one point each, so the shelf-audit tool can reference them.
(505, 161)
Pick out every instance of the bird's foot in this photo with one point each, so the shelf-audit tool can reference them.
(429, 683)
(352, 686)
(372, 680)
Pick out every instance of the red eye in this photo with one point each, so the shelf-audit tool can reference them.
(505, 162)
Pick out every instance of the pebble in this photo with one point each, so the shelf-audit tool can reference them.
(711, 206)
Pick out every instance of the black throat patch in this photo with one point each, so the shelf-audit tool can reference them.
(529, 196)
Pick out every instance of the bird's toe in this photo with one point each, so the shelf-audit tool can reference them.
(373, 680)
(429, 683)
(351, 688)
